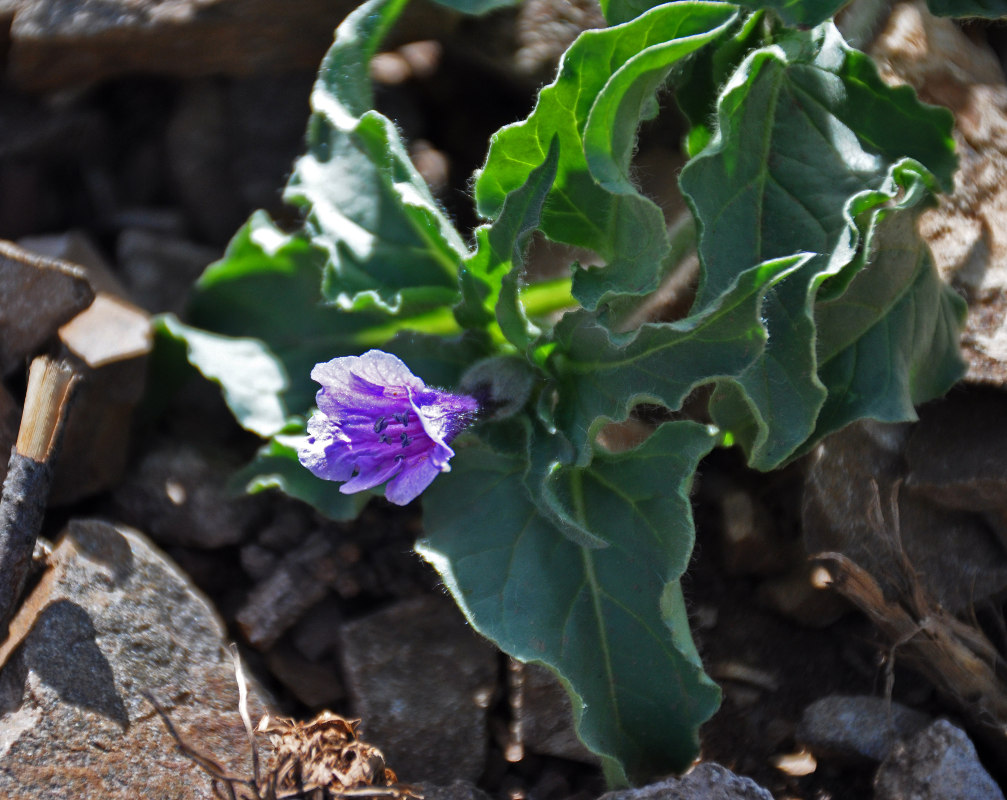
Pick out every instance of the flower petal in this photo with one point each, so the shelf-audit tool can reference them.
(410, 483)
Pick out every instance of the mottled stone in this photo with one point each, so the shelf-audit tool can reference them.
(39, 294)
(939, 763)
(859, 728)
(111, 341)
(180, 493)
(113, 618)
(159, 269)
(421, 680)
(967, 231)
(544, 715)
(707, 781)
(302, 578)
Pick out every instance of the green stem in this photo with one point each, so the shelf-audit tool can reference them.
(539, 300)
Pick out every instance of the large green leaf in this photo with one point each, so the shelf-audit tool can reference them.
(885, 347)
(616, 70)
(491, 275)
(809, 139)
(991, 9)
(799, 13)
(251, 378)
(601, 376)
(610, 622)
(267, 287)
(389, 245)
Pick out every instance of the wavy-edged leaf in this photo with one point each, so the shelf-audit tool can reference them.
(390, 248)
(491, 275)
(626, 229)
(601, 376)
(276, 466)
(799, 13)
(808, 134)
(885, 347)
(611, 623)
(267, 287)
(625, 495)
(252, 380)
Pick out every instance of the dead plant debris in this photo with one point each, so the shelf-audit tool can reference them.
(321, 759)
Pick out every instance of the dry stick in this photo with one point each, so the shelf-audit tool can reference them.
(29, 474)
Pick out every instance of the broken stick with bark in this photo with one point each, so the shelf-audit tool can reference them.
(51, 385)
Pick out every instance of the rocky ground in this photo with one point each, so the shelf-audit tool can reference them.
(136, 137)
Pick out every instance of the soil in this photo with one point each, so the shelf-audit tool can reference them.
(125, 169)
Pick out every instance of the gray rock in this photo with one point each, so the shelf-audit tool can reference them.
(939, 763)
(459, 790)
(180, 493)
(159, 269)
(421, 680)
(199, 145)
(72, 42)
(954, 455)
(301, 579)
(859, 728)
(77, 247)
(110, 619)
(10, 420)
(546, 717)
(707, 781)
(39, 294)
(57, 43)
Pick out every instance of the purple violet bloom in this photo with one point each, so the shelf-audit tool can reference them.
(378, 422)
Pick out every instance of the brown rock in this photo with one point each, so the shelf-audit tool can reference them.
(113, 618)
(316, 685)
(180, 492)
(302, 578)
(421, 679)
(111, 340)
(967, 232)
(802, 596)
(77, 248)
(544, 715)
(57, 43)
(853, 480)
(39, 294)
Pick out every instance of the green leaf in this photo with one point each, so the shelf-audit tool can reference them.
(490, 279)
(439, 360)
(697, 89)
(799, 13)
(991, 9)
(390, 248)
(612, 72)
(267, 287)
(886, 346)
(600, 376)
(618, 11)
(276, 466)
(251, 378)
(611, 623)
(808, 134)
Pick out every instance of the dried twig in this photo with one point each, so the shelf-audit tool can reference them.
(317, 760)
(29, 474)
(954, 656)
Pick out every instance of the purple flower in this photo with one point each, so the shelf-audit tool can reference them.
(378, 422)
